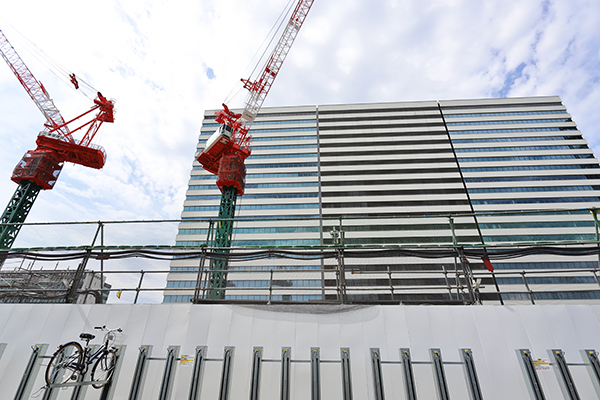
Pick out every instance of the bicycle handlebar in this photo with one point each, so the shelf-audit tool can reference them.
(103, 328)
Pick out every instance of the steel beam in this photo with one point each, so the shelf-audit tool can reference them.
(222, 244)
(16, 211)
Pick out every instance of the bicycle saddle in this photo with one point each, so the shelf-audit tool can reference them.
(86, 336)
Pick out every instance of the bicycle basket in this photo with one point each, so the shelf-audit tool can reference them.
(114, 338)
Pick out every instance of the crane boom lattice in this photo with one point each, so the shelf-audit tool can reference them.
(33, 87)
(259, 89)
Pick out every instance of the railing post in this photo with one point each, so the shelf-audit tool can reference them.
(391, 282)
(71, 296)
(270, 287)
(454, 240)
(199, 277)
(527, 287)
(139, 286)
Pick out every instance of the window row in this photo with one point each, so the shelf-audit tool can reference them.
(526, 158)
(547, 280)
(278, 138)
(260, 185)
(282, 130)
(534, 189)
(470, 107)
(530, 168)
(253, 268)
(287, 146)
(517, 139)
(549, 129)
(275, 282)
(245, 243)
(258, 196)
(266, 114)
(521, 148)
(284, 297)
(283, 165)
(255, 207)
(257, 176)
(517, 121)
(540, 224)
(546, 265)
(539, 238)
(499, 114)
(290, 229)
(552, 296)
(538, 200)
(293, 155)
(208, 133)
(532, 178)
(289, 121)
(243, 217)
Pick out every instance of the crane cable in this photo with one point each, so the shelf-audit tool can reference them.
(62, 73)
(259, 61)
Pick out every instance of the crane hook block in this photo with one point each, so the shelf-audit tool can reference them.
(74, 81)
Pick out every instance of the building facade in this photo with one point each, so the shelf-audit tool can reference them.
(408, 175)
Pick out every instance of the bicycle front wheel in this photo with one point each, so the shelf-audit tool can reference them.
(103, 369)
(64, 363)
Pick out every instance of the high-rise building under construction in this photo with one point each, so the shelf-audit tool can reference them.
(481, 174)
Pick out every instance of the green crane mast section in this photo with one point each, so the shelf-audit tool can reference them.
(225, 151)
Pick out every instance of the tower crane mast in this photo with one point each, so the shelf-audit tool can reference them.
(39, 168)
(226, 150)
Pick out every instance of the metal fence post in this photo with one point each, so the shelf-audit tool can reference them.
(197, 373)
(31, 371)
(166, 385)
(108, 391)
(139, 373)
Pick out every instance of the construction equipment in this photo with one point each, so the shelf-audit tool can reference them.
(227, 148)
(39, 168)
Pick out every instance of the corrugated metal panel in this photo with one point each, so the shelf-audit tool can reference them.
(494, 334)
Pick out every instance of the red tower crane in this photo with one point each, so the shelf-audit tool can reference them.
(226, 149)
(39, 168)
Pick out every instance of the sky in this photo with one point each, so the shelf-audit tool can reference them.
(165, 62)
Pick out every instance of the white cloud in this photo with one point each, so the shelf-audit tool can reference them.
(155, 58)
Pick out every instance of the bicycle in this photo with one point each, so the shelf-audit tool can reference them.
(71, 359)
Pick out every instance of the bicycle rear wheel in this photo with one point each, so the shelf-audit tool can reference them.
(104, 369)
(64, 363)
